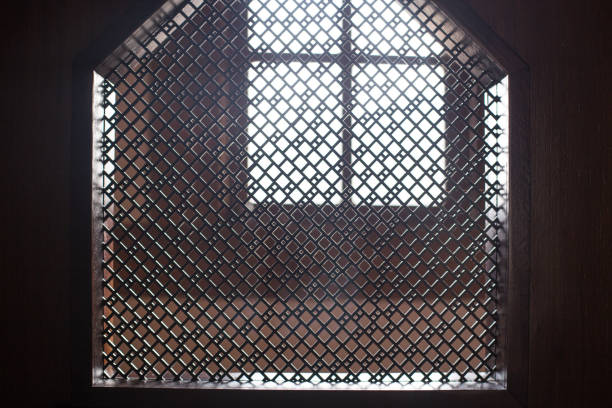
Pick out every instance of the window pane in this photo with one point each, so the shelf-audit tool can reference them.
(294, 132)
(296, 26)
(387, 27)
(398, 139)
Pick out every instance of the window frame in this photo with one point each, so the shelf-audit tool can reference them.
(85, 210)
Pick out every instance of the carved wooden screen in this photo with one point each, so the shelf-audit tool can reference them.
(301, 192)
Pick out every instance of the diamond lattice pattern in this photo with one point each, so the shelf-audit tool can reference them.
(300, 191)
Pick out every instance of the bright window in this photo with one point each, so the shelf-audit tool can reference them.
(340, 105)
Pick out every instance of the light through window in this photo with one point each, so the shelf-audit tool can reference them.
(344, 104)
(300, 192)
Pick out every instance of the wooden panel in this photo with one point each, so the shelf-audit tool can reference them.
(565, 43)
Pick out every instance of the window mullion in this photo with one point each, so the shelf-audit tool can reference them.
(347, 131)
(285, 57)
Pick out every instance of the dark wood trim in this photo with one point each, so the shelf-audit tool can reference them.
(83, 208)
(463, 15)
(122, 27)
(191, 396)
(519, 257)
(80, 228)
(146, 14)
(515, 279)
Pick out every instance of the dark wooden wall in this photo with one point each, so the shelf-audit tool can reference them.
(565, 42)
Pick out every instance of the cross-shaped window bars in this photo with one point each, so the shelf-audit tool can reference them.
(346, 104)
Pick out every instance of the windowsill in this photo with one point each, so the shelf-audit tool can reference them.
(323, 386)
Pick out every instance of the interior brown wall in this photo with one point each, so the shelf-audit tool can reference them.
(565, 42)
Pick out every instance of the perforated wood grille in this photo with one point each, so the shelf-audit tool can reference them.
(300, 192)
